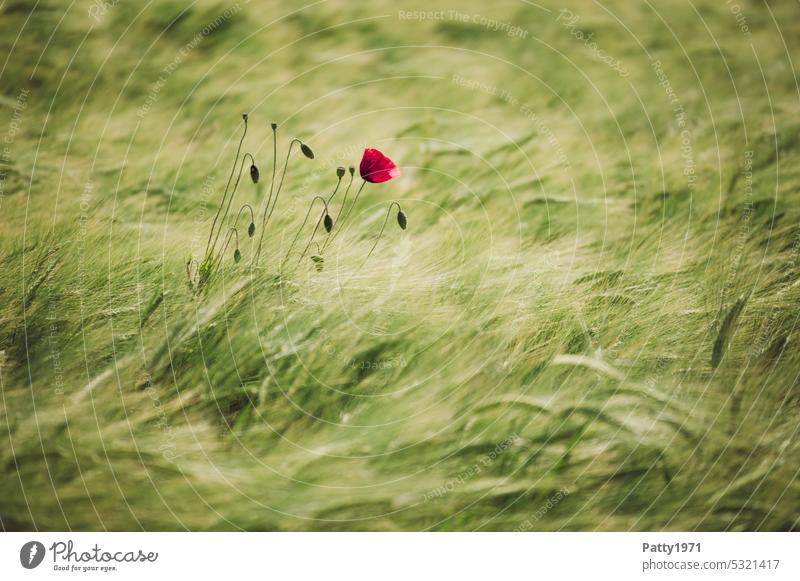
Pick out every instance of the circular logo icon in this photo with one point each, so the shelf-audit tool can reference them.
(31, 554)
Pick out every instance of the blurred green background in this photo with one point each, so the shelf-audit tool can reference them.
(589, 324)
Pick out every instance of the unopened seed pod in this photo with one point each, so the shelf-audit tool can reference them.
(254, 173)
(339, 171)
(273, 125)
(306, 151)
(352, 170)
(237, 255)
(328, 222)
(251, 229)
(244, 116)
(402, 220)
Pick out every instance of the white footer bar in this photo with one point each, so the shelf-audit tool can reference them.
(406, 556)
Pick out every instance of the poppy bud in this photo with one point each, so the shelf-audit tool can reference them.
(339, 171)
(306, 151)
(273, 125)
(352, 170)
(328, 222)
(237, 255)
(244, 116)
(402, 220)
(251, 229)
(254, 173)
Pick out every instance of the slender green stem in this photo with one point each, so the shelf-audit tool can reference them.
(257, 255)
(267, 210)
(314, 233)
(385, 221)
(225, 246)
(239, 215)
(371, 250)
(335, 189)
(319, 221)
(228, 185)
(283, 176)
(341, 223)
(339, 213)
(230, 198)
(274, 161)
(305, 220)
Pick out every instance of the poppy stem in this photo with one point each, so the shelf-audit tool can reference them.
(271, 187)
(299, 230)
(239, 215)
(225, 193)
(350, 209)
(344, 201)
(232, 230)
(335, 189)
(371, 250)
(385, 221)
(319, 220)
(267, 210)
(378, 239)
(283, 176)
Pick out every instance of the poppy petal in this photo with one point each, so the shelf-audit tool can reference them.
(376, 167)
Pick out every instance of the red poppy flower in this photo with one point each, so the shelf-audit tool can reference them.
(376, 167)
